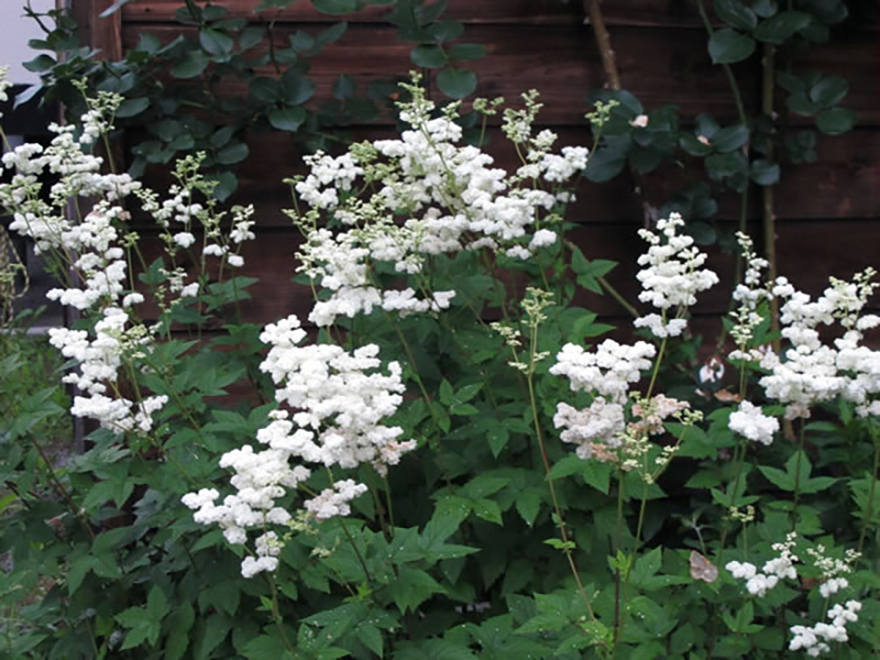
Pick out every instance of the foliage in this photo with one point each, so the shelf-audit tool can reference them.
(530, 494)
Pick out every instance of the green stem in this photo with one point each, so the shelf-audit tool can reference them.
(797, 477)
(357, 552)
(276, 614)
(869, 512)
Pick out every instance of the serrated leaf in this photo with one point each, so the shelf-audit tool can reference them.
(528, 504)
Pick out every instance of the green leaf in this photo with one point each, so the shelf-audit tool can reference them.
(528, 504)
(456, 83)
(297, 90)
(232, 153)
(730, 138)
(428, 57)
(566, 466)
(132, 107)
(781, 27)
(829, 91)
(335, 7)
(765, 8)
(465, 52)
(216, 42)
(488, 510)
(331, 34)
(194, 63)
(777, 477)
(836, 121)
(764, 173)
(735, 14)
(598, 475)
(728, 46)
(412, 588)
(251, 36)
(344, 88)
(287, 119)
(39, 64)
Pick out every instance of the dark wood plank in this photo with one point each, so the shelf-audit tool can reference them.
(468, 11)
(104, 34)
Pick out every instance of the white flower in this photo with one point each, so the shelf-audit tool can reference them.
(608, 371)
(751, 423)
(235, 260)
(184, 239)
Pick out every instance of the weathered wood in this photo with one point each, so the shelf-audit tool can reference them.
(467, 11)
(669, 67)
(638, 13)
(104, 34)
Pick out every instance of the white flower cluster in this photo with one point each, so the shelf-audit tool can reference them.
(601, 423)
(5, 84)
(814, 372)
(749, 294)
(608, 371)
(751, 423)
(339, 409)
(451, 197)
(815, 639)
(776, 569)
(671, 276)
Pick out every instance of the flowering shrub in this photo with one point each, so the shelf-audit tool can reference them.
(440, 463)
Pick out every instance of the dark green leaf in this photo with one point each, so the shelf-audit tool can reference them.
(735, 14)
(297, 90)
(836, 121)
(287, 119)
(132, 107)
(428, 57)
(193, 64)
(456, 83)
(764, 173)
(216, 42)
(781, 27)
(728, 46)
(829, 91)
(730, 138)
(40, 63)
(344, 88)
(232, 153)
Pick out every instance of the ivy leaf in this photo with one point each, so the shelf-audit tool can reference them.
(836, 121)
(456, 83)
(781, 27)
(287, 119)
(428, 57)
(735, 14)
(335, 7)
(728, 46)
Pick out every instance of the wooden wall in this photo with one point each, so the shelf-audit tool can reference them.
(828, 213)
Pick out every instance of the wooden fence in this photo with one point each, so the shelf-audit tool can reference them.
(828, 213)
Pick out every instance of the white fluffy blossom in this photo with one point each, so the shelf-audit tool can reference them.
(608, 371)
(602, 422)
(671, 276)
(751, 423)
(332, 502)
